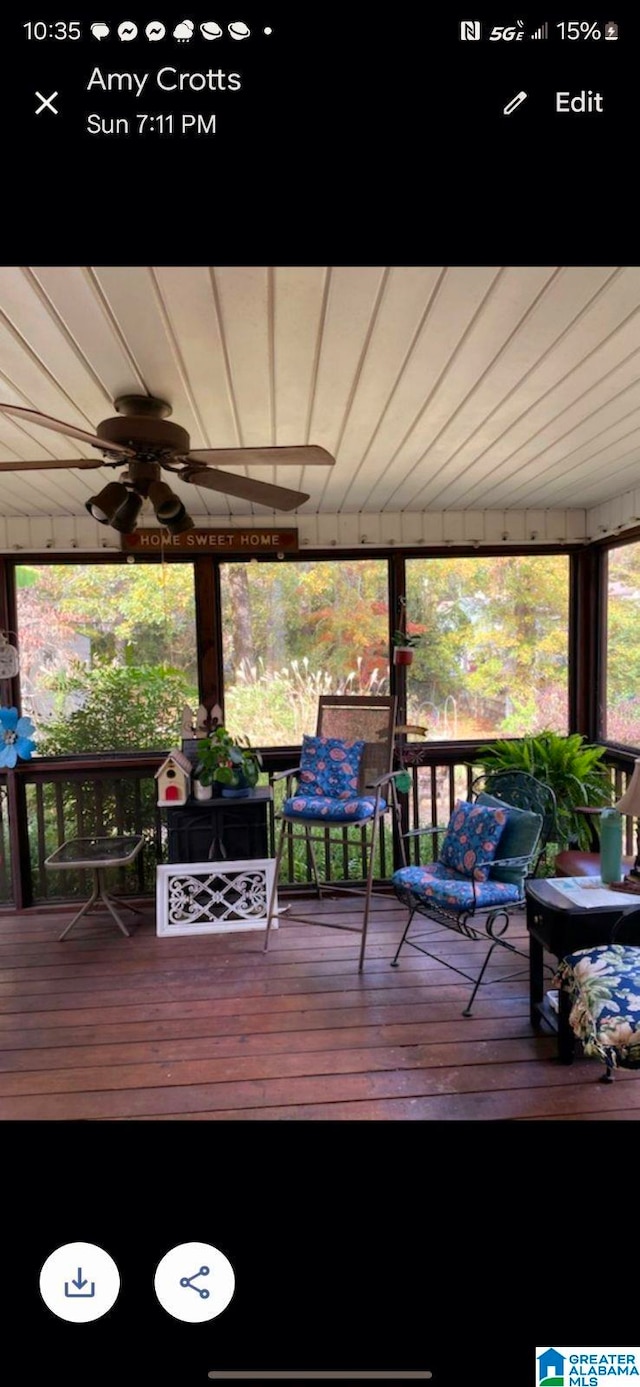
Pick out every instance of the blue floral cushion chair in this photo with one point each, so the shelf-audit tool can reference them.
(488, 850)
(603, 985)
(328, 782)
(338, 797)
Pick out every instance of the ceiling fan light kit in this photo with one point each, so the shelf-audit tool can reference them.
(105, 506)
(141, 437)
(164, 501)
(179, 524)
(126, 517)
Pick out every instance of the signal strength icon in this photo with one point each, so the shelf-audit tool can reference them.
(541, 33)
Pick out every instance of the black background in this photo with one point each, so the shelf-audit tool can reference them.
(361, 136)
(405, 1245)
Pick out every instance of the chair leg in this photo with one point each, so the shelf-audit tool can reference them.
(607, 1077)
(478, 980)
(394, 961)
(467, 1010)
(367, 899)
(311, 853)
(274, 888)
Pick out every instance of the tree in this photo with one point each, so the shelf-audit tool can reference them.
(623, 645)
(496, 644)
(119, 708)
(122, 632)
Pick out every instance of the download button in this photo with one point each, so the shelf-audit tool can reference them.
(79, 1282)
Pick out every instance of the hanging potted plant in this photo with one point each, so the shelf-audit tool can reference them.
(229, 763)
(403, 647)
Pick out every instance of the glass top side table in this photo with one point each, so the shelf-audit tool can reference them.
(97, 855)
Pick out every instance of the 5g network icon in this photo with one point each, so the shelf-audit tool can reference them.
(470, 29)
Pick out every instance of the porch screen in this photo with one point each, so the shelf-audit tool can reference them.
(107, 654)
(492, 659)
(293, 631)
(621, 715)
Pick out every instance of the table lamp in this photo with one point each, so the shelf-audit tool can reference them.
(630, 804)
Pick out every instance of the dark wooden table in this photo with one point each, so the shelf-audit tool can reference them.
(559, 926)
(212, 830)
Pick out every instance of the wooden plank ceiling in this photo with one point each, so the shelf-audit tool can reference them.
(436, 388)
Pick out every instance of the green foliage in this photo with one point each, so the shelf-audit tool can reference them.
(492, 657)
(571, 766)
(623, 647)
(497, 646)
(117, 708)
(100, 805)
(334, 613)
(281, 705)
(405, 641)
(25, 577)
(227, 760)
(99, 612)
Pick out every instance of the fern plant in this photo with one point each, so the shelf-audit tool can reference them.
(570, 765)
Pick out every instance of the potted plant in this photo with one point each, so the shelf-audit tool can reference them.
(569, 764)
(230, 762)
(403, 647)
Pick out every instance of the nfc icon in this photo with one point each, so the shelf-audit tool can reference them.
(469, 28)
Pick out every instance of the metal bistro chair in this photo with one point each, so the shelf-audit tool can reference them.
(345, 779)
(491, 844)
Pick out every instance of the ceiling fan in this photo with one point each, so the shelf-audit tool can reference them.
(141, 437)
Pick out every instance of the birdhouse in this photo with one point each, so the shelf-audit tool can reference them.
(174, 780)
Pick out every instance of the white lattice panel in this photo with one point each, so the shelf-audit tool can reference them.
(213, 897)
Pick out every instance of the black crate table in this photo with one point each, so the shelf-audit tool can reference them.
(219, 829)
(559, 925)
(97, 855)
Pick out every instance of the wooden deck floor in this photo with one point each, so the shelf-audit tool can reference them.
(197, 1028)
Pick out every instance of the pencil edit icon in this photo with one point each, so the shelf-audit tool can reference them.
(516, 101)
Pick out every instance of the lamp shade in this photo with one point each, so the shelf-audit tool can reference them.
(166, 504)
(107, 503)
(126, 517)
(629, 803)
(179, 523)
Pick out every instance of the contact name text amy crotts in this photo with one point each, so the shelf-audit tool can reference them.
(168, 79)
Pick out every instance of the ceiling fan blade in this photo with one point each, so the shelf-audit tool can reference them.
(45, 421)
(263, 493)
(306, 455)
(21, 466)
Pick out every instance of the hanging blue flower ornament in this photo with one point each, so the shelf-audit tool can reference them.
(15, 737)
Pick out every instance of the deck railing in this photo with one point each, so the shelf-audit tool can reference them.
(43, 802)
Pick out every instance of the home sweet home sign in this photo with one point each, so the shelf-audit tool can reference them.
(275, 541)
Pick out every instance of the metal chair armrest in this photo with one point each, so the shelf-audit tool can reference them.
(524, 861)
(283, 775)
(417, 832)
(514, 862)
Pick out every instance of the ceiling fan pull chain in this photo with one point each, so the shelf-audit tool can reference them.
(168, 629)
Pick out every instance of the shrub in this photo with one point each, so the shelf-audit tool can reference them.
(117, 708)
(572, 767)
